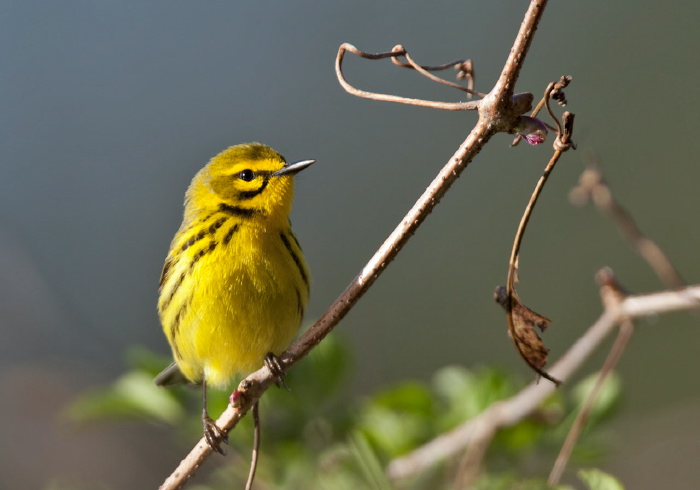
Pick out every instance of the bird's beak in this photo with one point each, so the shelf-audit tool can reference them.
(293, 168)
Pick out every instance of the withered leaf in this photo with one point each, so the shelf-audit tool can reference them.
(521, 328)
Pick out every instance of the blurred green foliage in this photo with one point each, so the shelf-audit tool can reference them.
(315, 437)
(597, 480)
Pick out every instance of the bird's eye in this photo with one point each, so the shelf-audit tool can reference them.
(246, 175)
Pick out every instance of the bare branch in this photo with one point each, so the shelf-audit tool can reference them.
(397, 51)
(256, 446)
(255, 385)
(471, 463)
(503, 90)
(465, 67)
(494, 116)
(618, 348)
(612, 294)
(511, 411)
(592, 187)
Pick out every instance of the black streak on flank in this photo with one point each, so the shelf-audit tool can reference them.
(176, 286)
(294, 237)
(295, 257)
(176, 351)
(164, 273)
(216, 225)
(300, 306)
(206, 231)
(175, 326)
(201, 253)
(229, 233)
(237, 211)
(180, 279)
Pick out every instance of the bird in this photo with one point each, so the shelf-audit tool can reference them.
(235, 282)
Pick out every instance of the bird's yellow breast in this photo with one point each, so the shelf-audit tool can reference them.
(248, 300)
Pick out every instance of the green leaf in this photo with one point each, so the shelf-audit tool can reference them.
(398, 419)
(369, 463)
(132, 395)
(599, 480)
(408, 396)
(608, 395)
(513, 481)
(318, 377)
(468, 393)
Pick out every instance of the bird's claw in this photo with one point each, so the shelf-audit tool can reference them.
(273, 364)
(213, 435)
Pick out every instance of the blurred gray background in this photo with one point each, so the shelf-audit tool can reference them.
(109, 108)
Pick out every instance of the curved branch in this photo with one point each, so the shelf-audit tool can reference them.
(593, 187)
(252, 388)
(521, 320)
(621, 342)
(449, 106)
(509, 412)
(424, 70)
(490, 122)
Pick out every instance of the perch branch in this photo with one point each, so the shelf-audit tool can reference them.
(498, 111)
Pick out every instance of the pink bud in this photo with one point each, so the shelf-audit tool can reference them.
(235, 398)
(532, 129)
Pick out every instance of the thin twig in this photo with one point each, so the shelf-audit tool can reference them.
(256, 446)
(592, 187)
(509, 412)
(474, 456)
(466, 71)
(561, 144)
(424, 70)
(449, 106)
(554, 92)
(497, 112)
(401, 51)
(547, 96)
(618, 348)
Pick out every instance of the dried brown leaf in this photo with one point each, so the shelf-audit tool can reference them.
(522, 324)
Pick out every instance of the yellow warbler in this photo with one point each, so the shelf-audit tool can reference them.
(235, 283)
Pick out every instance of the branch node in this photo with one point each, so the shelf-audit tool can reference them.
(592, 187)
(563, 141)
(557, 92)
(612, 293)
(553, 91)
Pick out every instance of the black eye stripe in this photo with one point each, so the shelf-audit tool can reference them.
(244, 195)
(248, 175)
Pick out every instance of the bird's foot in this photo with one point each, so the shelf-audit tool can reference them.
(273, 364)
(213, 435)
